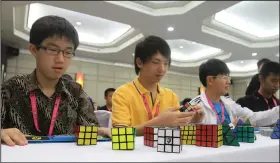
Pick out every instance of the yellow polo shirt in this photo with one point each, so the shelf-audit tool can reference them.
(128, 108)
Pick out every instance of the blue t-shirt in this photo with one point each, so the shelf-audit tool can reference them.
(218, 107)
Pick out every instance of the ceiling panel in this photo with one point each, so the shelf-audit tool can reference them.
(162, 4)
(184, 50)
(92, 30)
(242, 65)
(258, 18)
(154, 8)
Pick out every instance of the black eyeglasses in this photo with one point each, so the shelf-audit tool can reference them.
(55, 51)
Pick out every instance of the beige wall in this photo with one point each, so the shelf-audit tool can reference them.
(239, 87)
(98, 77)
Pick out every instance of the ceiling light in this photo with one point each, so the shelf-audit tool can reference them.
(241, 62)
(170, 29)
(181, 47)
(78, 23)
(254, 54)
(277, 55)
(193, 42)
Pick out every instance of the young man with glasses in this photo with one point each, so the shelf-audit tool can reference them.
(213, 74)
(44, 103)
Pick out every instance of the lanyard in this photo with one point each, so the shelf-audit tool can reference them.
(213, 108)
(145, 101)
(35, 112)
(274, 101)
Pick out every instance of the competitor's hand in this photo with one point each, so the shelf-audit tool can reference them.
(13, 136)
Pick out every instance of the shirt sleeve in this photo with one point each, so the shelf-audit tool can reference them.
(261, 118)
(175, 100)
(86, 115)
(121, 115)
(5, 98)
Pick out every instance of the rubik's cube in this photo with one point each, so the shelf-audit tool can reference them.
(187, 108)
(228, 137)
(150, 136)
(86, 135)
(188, 134)
(276, 130)
(123, 138)
(239, 123)
(245, 134)
(169, 140)
(209, 135)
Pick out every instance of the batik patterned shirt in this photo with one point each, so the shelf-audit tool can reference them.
(16, 112)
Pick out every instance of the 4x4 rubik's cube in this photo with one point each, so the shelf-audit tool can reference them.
(209, 135)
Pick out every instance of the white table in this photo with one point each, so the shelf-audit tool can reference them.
(263, 150)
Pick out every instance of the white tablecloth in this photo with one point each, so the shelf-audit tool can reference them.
(263, 150)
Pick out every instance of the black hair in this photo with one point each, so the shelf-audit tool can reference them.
(212, 67)
(186, 100)
(109, 90)
(262, 61)
(145, 49)
(49, 26)
(270, 68)
(67, 76)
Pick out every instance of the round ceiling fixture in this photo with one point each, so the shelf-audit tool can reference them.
(170, 29)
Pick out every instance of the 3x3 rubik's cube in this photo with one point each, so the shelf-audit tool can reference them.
(165, 139)
(123, 138)
(86, 135)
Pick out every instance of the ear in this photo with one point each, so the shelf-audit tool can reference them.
(261, 78)
(209, 80)
(33, 50)
(139, 63)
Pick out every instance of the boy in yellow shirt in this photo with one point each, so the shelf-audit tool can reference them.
(143, 102)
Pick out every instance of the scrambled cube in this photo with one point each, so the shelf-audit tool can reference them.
(86, 135)
(169, 140)
(187, 108)
(239, 123)
(150, 136)
(123, 138)
(228, 137)
(188, 134)
(245, 134)
(276, 130)
(209, 135)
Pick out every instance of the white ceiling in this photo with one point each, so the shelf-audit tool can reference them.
(109, 30)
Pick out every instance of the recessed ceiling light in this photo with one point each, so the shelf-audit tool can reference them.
(181, 47)
(170, 29)
(241, 62)
(254, 54)
(193, 42)
(78, 23)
